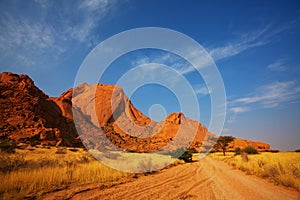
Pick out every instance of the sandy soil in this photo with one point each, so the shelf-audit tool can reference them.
(206, 179)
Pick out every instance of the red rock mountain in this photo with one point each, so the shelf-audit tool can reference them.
(109, 109)
(241, 143)
(105, 119)
(29, 115)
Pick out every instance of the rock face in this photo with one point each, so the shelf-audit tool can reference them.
(28, 115)
(109, 109)
(105, 119)
(241, 143)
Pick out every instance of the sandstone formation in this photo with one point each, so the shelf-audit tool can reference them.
(109, 109)
(105, 120)
(28, 115)
(241, 143)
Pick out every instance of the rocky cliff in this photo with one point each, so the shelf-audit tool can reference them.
(29, 115)
(105, 119)
(109, 108)
(241, 143)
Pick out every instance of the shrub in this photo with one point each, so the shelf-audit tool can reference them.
(73, 149)
(298, 150)
(237, 151)
(222, 143)
(9, 162)
(281, 168)
(182, 154)
(186, 156)
(8, 146)
(250, 150)
(177, 153)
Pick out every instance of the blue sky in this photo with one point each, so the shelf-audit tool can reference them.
(255, 45)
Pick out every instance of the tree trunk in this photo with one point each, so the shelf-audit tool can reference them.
(223, 152)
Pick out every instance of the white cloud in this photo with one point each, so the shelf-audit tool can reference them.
(278, 65)
(22, 33)
(92, 12)
(44, 3)
(45, 34)
(202, 90)
(271, 95)
(165, 58)
(171, 61)
(226, 130)
(25, 60)
(25, 42)
(239, 109)
(232, 49)
(141, 61)
(175, 62)
(231, 120)
(246, 41)
(93, 5)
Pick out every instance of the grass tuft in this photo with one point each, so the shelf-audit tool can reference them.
(283, 168)
(31, 173)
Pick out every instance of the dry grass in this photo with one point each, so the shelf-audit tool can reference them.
(136, 162)
(33, 172)
(282, 168)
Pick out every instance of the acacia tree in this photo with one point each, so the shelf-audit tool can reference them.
(223, 142)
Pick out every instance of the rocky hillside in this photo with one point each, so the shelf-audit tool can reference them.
(107, 108)
(105, 119)
(28, 115)
(241, 143)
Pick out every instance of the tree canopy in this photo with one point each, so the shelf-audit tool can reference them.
(223, 142)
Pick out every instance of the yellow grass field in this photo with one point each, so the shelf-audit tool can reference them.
(136, 162)
(38, 170)
(282, 168)
(33, 172)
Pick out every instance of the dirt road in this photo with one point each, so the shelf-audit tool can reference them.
(206, 179)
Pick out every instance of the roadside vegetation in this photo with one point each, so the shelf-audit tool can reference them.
(31, 172)
(282, 168)
(222, 143)
(34, 171)
(134, 162)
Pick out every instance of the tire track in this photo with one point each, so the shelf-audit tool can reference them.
(171, 181)
(207, 179)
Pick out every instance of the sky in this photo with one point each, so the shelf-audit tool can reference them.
(254, 44)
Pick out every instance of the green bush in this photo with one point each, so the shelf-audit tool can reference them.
(186, 156)
(177, 153)
(182, 154)
(250, 150)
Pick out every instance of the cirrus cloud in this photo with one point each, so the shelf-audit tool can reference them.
(49, 30)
